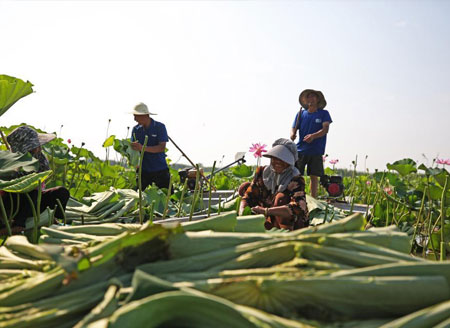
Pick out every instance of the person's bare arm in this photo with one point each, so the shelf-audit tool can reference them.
(160, 148)
(311, 137)
(283, 211)
(293, 133)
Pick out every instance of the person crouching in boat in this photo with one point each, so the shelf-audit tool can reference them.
(23, 140)
(278, 190)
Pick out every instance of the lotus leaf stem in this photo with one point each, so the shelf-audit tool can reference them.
(419, 216)
(33, 210)
(141, 158)
(17, 209)
(169, 193)
(210, 188)
(183, 192)
(152, 211)
(4, 216)
(444, 192)
(77, 159)
(62, 210)
(196, 190)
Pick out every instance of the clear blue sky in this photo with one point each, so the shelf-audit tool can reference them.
(225, 74)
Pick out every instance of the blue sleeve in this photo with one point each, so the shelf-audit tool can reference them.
(295, 121)
(326, 117)
(162, 135)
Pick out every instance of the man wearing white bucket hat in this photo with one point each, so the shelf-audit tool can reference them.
(278, 190)
(154, 166)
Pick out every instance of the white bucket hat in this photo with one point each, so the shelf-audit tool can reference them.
(285, 150)
(141, 109)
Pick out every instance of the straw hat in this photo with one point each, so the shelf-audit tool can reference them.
(304, 95)
(23, 139)
(141, 109)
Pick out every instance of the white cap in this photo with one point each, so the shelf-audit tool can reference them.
(141, 109)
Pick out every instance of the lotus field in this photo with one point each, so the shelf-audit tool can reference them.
(183, 257)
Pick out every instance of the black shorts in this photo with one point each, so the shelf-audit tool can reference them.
(160, 178)
(314, 164)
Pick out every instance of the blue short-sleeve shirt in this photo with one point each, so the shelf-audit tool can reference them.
(156, 133)
(311, 123)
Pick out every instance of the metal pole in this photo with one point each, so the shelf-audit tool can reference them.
(189, 160)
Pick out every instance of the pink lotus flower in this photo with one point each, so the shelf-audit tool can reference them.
(388, 190)
(258, 149)
(443, 161)
(69, 141)
(368, 182)
(334, 161)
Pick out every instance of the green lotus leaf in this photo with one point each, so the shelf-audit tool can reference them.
(435, 192)
(108, 170)
(25, 183)
(57, 153)
(404, 166)
(430, 170)
(222, 182)
(82, 152)
(12, 163)
(109, 142)
(378, 176)
(123, 147)
(329, 171)
(11, 90)
(438, 174)
(159, 197)
(242, 171)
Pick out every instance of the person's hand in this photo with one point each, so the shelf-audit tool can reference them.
(293, 136)
(136, 146)
(258, 209)
(308, 138)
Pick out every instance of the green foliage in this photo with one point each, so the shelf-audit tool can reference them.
(109, 142)
(57, 152)
(436, 238)
(11, 90)
(84, 153)
(404, 166)
(242, 171)
(25, 183)
(222, 182)
(124, 148)
(13, 163)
